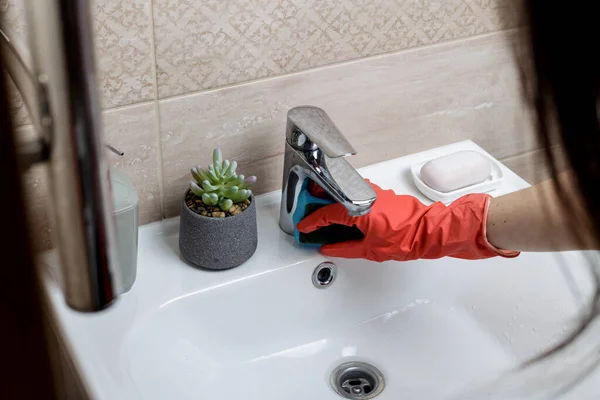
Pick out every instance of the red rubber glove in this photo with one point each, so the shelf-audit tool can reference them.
(401, 228)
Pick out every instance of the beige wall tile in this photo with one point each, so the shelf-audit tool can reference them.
(13, 16)
(532, 165)
(18, 110)
(36, 189)
(124, 51)
(211, 43)
(35, 186)
(387, 106)
(132, 130)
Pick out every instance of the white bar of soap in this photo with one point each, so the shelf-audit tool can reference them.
(456, 171)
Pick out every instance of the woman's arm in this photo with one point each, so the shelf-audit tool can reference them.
(534, 219)
(402, 228)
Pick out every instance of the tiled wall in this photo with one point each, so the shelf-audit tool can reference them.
(180, 77)
(206, 44)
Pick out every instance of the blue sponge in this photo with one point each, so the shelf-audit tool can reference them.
(307, 203)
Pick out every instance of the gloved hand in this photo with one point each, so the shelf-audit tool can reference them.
(401, 228)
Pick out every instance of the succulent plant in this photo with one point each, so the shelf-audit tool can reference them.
(219, 184)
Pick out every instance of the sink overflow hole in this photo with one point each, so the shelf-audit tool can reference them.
(324, 275)
(357, 381)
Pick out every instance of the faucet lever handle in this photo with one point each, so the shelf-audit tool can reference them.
(309, 128)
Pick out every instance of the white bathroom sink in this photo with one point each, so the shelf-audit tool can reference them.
(263, 331)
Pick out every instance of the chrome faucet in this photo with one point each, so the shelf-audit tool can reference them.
(315, 149)
(58, 83)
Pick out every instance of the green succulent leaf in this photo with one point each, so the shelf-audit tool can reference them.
(213, 175)
(202, 173)
(207, 186)
(227, 179)
(196, 175)
(226, 166)
(232, 168)
(225, 204)
(210, 199)
(230, 192)
(217, 158)
(241, 195)
(249, 181)
(237, 181)
(197, 190)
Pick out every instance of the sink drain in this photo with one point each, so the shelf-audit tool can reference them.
(324, 275)
(357, 380)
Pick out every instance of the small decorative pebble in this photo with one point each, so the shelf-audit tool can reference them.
(196, 205)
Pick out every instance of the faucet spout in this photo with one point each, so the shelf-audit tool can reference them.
(315, 149)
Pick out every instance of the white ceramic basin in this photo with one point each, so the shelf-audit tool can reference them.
(263, 331)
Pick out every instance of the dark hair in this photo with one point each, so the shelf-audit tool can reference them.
(560, 72)
(563, 86)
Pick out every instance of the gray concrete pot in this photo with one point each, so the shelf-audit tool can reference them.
(218, 243)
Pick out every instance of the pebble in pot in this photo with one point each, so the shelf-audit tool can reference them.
(218, 217)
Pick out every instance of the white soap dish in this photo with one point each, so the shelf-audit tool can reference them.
(493, 181)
